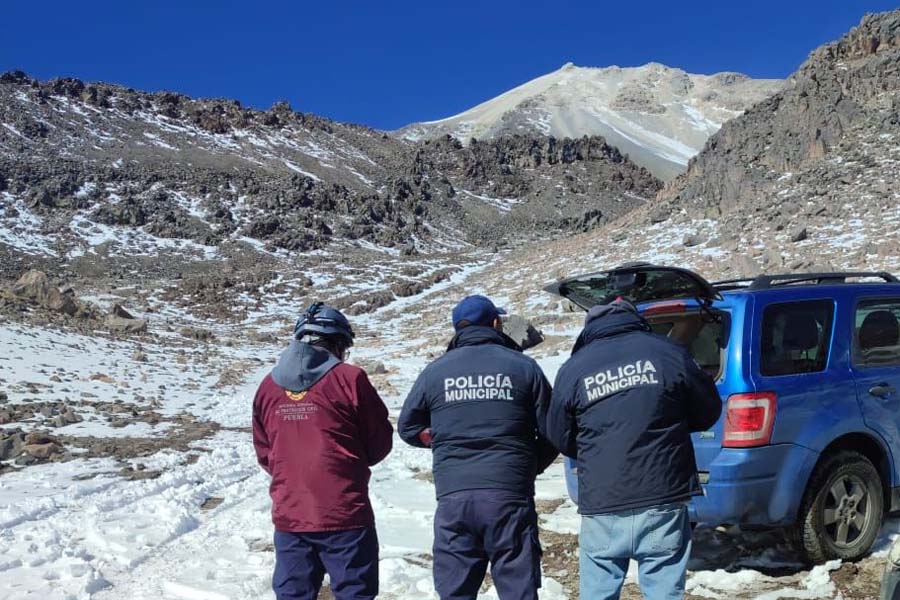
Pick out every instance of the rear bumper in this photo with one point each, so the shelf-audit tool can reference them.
(746, 486)
(754, 486)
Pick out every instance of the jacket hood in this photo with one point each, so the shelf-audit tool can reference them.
(301, 365)
(608, 321)
(477, 335)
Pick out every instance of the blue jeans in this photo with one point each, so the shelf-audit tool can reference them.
(349, 557)
(658, 538)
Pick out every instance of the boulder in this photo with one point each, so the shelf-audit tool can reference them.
(121, 325)
(11, 444)
(522, 331)
(376, 368)
(798, 234)
(38, 438)
(693, 239)
(66, 417)
(42, 451)
(119, 311)
(659, 215)
(36, 287)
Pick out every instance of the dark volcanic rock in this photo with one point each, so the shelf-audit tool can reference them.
(210, 171)
(799, 234)
(834, 124)
(522, 331)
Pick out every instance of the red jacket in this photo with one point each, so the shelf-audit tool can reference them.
(318, 446)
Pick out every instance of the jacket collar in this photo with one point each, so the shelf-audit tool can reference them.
(610, 325)
(477, 335)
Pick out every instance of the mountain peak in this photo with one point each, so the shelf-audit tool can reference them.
(658, 115)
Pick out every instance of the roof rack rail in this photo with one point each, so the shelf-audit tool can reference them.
(762, 282)
(733, 284)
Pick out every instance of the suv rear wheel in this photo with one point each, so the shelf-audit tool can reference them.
(842, 509)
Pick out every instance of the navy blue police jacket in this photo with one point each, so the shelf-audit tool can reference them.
(625, 405)
(483, 401)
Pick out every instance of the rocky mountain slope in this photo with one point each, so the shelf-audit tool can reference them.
(659, 116)
(87, 165)
(808, 180)
(817, 162)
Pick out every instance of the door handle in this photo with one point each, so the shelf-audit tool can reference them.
(882, 390)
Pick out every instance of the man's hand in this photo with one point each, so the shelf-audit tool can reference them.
(425, 437)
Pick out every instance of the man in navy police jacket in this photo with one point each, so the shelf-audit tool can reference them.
(479, 407)
(624, 405)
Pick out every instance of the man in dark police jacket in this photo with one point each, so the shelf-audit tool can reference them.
(479, 407)
(624, 405)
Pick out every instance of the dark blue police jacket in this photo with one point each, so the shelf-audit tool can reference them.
(625, 405)
(483, 401)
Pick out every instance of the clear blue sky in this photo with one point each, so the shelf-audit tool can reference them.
(386, 63)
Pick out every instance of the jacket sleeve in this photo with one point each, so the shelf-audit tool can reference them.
(562, 428)
(415, 417)
(546, 451)
(260, 437)
(377, 432)
(704, 405)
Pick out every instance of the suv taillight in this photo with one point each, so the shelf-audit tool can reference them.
(749, 420)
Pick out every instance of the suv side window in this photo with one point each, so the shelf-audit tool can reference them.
(877, 339)
(796, 337)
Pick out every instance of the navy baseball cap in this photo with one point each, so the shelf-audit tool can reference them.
(477, 310)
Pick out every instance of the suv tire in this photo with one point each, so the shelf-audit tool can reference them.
(842, 509)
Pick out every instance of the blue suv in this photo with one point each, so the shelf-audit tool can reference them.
(808, 366)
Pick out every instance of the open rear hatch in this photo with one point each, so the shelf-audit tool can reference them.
(638, 283)
(678, 304)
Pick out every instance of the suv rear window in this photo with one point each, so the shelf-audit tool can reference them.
(705, 338)
(639, 284)
(796, 337)
(877, 339)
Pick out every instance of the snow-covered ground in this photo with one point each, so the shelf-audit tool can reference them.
(78, 530)
(201, 529)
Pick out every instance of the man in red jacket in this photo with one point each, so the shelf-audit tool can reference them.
(318, 425)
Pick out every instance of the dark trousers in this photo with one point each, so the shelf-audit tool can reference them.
(475, 527)
(349, 557)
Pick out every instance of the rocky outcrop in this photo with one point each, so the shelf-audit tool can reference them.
(120, 320)
(30, 448)
(36, 287)
(843, 106)
(77, 158)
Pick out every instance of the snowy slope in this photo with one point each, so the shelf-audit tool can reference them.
(77, 530)
(658, 115)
